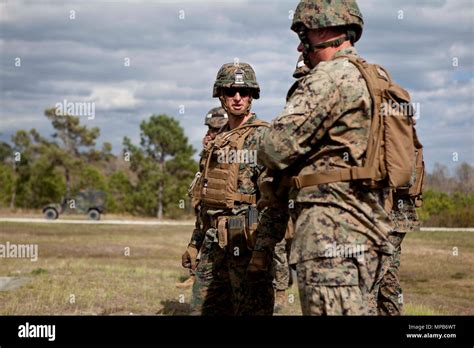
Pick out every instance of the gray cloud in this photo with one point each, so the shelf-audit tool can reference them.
(174, 61)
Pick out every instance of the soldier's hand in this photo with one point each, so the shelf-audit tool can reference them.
(188, 260)
(206, 139)
(259, 266)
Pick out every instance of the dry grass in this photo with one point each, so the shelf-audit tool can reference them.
(433, 277)
(89, 262)
(37, 213)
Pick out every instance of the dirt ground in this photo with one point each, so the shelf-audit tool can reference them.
(123, 269)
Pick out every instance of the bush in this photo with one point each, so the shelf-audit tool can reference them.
(441, 209)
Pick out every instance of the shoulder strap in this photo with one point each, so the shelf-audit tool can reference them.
(235, 133)
(251, 199)
(256, 123)
(367, 171)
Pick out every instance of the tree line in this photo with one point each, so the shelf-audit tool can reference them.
(148, 179)
(151, 178)
(449, 197)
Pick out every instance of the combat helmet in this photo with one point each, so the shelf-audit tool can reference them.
(301, 68)
(216, 118)
(238, 75)
(316, 14)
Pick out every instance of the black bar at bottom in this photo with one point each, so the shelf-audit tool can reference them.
(192, 331)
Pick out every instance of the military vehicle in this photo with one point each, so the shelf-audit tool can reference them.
(90, 202)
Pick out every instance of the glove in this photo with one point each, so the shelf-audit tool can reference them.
(259, 266)
(188, 260)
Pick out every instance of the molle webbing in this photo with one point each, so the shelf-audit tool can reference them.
(220, 178)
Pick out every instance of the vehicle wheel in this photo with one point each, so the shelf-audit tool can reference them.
(51, 214)
(94, 214)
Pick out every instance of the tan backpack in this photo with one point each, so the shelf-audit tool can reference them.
(218, 186)
(394, 156)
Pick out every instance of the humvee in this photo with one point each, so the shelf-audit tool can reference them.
(90, 202)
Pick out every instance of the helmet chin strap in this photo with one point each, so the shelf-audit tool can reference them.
(309, 47)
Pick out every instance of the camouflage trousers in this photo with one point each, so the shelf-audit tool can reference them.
(283, 279)
(221, 287)
(389, 297)
(341, 283)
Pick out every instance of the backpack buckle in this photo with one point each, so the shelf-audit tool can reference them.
(295, 182)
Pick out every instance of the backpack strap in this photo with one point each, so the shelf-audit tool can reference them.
(329, 176)
(369, 171)
(256, 123)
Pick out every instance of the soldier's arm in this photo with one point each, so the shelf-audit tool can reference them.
(198, 234)
(307, 116)
(271, 229)
(273, 205)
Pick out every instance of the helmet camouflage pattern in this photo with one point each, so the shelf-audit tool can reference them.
(238, 75)
(216, 118)
(301, 68)
(316, 14)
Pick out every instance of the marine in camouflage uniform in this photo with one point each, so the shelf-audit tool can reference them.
(405, 217)
(283, 276)
(283, 272)
(324, 126)
(221, 287)
(215, 119)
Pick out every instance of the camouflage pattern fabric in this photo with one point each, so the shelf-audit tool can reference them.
(346, 259)
(283, 278)
(404, 214)
(301, 68)
(197, 236)
(216, 118)
(239, 75)
(300, 71)
(220, 287)
(328, 118)
(390, 296)
(316, 14)
(327, 300)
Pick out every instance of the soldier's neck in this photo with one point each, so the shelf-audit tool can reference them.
(235, 121)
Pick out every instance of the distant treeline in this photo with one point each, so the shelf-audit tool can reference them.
(449, 199)
(151, 179)
(147, 179)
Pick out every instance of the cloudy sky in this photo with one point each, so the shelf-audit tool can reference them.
(136, 58)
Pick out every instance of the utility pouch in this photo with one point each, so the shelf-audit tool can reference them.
(222, 231)
(236, 235)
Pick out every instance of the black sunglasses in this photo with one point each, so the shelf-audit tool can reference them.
(230, 92)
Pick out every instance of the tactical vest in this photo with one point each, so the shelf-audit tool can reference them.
(394, 155)
(217, 187)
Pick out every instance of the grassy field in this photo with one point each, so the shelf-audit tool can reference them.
(117, 270)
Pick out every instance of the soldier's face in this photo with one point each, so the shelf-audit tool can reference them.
(237, 100)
